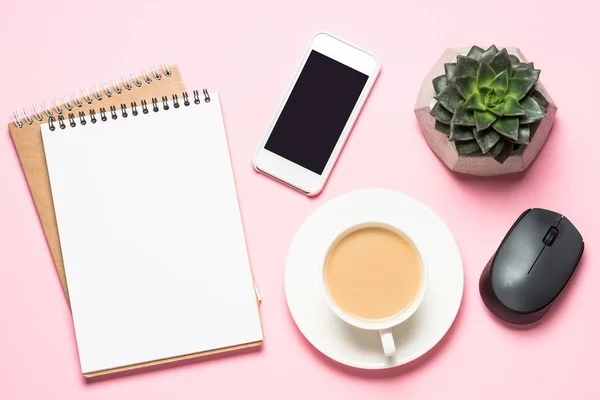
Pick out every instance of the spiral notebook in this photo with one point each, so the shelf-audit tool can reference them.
(27, 139)
(151, 233)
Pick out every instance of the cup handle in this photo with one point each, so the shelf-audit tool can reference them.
(387, 341)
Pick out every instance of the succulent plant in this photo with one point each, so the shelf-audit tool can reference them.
(487, 103)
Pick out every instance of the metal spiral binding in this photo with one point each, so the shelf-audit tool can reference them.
(77, 102)
(156, 73)
(117, 87)
(36, 113)
(27, 117)
(54, 112)
(114, 110)
(197, 96)
(86, 97)
(107, 90)
(46, 110)
(97, 94)
(166, 69)
(67, 103)
(126, 83)
(17, 120)
(146, 77)
(135, 79)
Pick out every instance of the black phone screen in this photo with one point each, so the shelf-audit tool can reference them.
(316, 112)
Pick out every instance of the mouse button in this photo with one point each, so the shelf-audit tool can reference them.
(515, 224)
(516, 256)
(509, 272)
(522, 246)
(568, 234)
(545, 218)
(565, 252)
(554, 267)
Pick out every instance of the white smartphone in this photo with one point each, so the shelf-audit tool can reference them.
(317, 114)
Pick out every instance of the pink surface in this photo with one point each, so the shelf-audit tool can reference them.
(248, 51)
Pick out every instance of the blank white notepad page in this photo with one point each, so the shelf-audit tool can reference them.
(151, 235)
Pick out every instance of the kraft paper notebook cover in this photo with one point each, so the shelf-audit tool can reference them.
(26, 136)
(151, 233)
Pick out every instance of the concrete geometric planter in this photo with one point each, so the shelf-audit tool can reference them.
(480, 164)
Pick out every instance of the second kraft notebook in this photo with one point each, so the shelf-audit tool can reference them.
(151, 233)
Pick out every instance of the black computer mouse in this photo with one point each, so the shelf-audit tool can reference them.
(531, 267)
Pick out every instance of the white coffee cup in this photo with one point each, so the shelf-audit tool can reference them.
(384, 327)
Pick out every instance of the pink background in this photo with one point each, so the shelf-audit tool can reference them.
(248, 51)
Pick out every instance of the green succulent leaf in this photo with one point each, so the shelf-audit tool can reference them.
(489, 53)
(524, 134)
(461, 133)
(466, 85)
(533, 110)
(441, 127)
(474, 103)
(483, 120)
(507, 127)
(440, 83)
(526, 73)
(484, 91)
(522, 65)
(450, 97)
(467, 147)
(497, 109)
(519, 87)
(466, 66)
(505, 152)
(501, 62)
(542, 101)
(514, 60)
(500, 84)
(462, 116)
(512, 108)
(487, 139)
(497, 148)
(450, 69)
(475, 53)
(485, 75)
(441, 114)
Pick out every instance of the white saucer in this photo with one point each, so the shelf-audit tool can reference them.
(349, 345)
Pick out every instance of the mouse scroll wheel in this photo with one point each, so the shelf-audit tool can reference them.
(550, 236)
